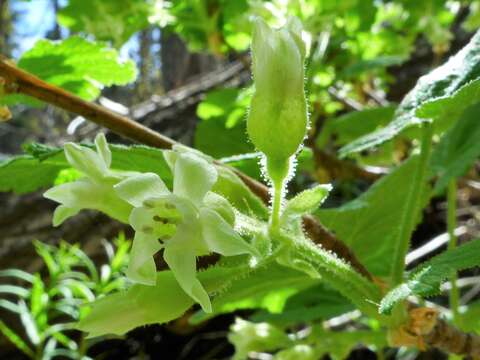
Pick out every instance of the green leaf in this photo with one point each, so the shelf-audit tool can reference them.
(363, 66)
(238, 194)
(47, 162)
(317, 302)
(16, 340)
(470, 319)
(266, 288)
(443, 82)
(457, 150)
(215, 139)
(14, 290)
(425, 280)
(339, 275)
(447, 110)
(307, 201)
(339, 344)
(112, 20)
(76, 65)
(16, 174)
(354, 124)
(369, 224)
(16, 273)
(143, 304)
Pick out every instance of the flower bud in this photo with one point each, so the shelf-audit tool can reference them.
(277, 120)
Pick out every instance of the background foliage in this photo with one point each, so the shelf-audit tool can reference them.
(183, 68)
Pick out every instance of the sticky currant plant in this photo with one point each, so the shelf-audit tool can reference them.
(272, 253)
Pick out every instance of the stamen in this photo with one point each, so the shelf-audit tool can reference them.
(148, 204)
(147, 229)
(160, 219)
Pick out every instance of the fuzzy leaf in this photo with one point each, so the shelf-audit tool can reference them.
(443, 82)
(76, 65)
(307, 201)
(426, 279)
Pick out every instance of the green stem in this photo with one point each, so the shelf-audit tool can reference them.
(413, 206)
(276, 206)
(451, 225)
(277, 170)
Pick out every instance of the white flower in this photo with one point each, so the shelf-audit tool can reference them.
(191, 221)
(95, 189)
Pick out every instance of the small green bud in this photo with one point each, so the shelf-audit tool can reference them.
(278, 117)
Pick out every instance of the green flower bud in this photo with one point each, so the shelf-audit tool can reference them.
(278, 117)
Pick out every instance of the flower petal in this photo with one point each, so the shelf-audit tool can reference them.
(220, 236)
(220, 205)
(85, 160)
(182, 262)
(86, 194)
(103, 150)
(141, 267)
(193, 177)
(62, 213)
(136, 189)
(171, 156)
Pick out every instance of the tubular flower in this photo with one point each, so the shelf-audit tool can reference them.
(95, 189)
(277, 120)
(188, 222)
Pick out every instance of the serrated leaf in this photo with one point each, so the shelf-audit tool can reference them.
(449, 108)
(16, 174)
(369, 224)
(457, 150)
(442, 82)
(76, 65)
(425, 280)
(112, 20)
(47, 162)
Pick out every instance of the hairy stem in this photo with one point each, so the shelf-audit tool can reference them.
(278, 171)
(413, 206)
(276, 206)
(451, 225)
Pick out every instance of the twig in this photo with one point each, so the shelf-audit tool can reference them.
(454, 296)
(20, 81)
